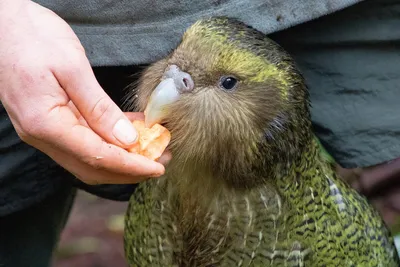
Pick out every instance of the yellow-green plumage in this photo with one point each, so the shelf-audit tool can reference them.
(248, 185)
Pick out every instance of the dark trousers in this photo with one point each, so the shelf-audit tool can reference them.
(28, 237)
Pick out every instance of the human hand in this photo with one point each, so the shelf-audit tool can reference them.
(381, 185)
(56, 105)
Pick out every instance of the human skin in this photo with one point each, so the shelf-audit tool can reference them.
(55, 103)
(381, 185)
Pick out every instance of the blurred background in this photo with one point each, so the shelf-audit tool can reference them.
(93, 236)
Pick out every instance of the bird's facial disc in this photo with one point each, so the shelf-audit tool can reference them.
(173, 83)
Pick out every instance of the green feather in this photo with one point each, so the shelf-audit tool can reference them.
(324, 153)
(296, 210)
(316, 221)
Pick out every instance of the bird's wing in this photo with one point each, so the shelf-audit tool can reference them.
(149, 228)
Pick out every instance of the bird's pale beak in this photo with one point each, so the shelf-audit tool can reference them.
(173, 84)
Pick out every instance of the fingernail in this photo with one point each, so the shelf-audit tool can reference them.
(125, 132)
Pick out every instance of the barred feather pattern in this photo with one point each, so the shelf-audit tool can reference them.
(247, 185)
(308, 217)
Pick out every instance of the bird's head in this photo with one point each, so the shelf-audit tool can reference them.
(232, 99)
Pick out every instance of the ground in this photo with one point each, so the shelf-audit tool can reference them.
(93, 234)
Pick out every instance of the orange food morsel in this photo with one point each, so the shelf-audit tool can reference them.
(152, 141)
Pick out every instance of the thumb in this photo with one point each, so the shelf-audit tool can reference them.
(101, 114)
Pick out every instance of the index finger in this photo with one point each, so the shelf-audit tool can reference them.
(65, 132)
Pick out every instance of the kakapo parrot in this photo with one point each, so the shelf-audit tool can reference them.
(247, 184)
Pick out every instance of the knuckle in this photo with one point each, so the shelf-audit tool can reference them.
(101, 110)
(70, 66)
(76, 61)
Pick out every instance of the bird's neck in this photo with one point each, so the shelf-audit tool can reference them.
(307, 172)
(200, 187)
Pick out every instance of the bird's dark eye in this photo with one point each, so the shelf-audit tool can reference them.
(228, 82)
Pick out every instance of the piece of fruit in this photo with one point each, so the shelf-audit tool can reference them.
(152, 141)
